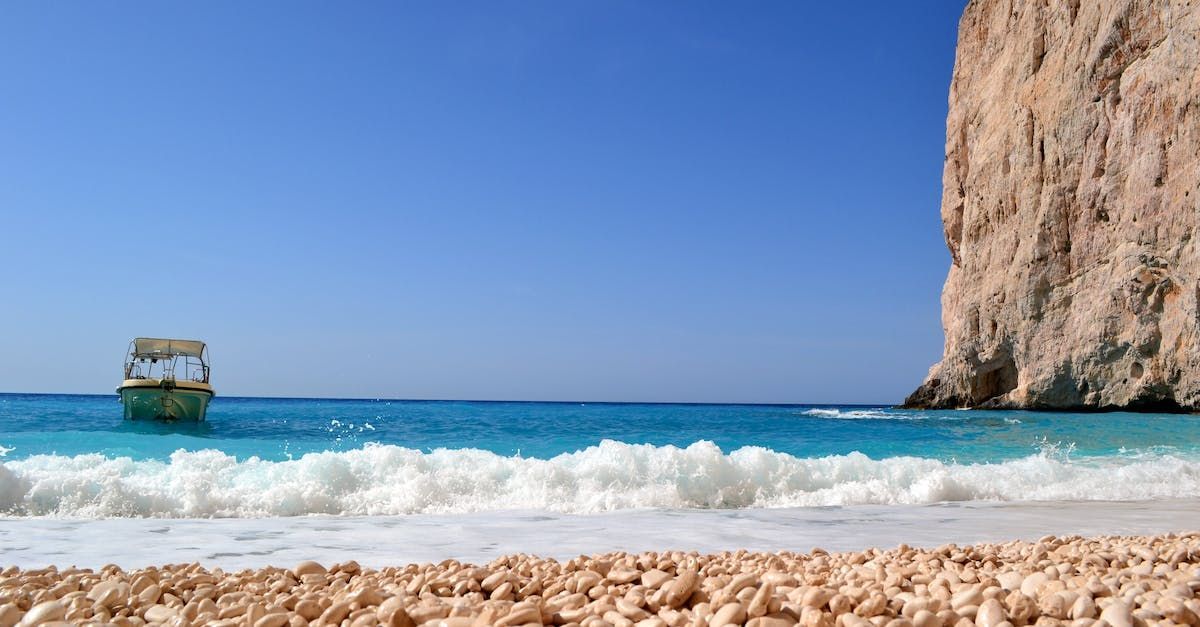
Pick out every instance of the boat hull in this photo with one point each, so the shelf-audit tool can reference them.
(149, 399)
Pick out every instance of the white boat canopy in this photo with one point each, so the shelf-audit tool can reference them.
(159, 348)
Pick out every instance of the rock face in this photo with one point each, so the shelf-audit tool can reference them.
(1071, 195)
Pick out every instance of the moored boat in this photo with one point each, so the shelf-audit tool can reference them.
(166, 379)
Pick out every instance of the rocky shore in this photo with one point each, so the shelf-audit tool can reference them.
(1083, 582)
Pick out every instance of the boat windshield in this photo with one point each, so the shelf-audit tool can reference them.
(153, 358)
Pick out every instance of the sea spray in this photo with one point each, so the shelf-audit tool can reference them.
(386, 479)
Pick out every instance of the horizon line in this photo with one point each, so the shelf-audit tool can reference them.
(479, 400)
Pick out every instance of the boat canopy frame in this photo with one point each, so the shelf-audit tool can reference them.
(169, 354)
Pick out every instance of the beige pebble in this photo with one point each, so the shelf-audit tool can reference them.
(990, 614)
(502, 592)
(840, 604)
(872, 606)
(520, 614)
(308, 567)
(586, 580)
(149, 595)
(160, 613)
(139, 583)
(631, 611)
(741, 582)
(336, 613)
(108, 593)
(760, 603)
(422, 614)
(817, 597)
(493, 581)
(1083, 608)
(1181, 614)
(1021, 608)
(728, 614)
(399, 618)
(456, 621)
(655, 578)
(623, 576)
(254, 611)
(813, 617)
(914, 605)
(272, 620)
(45, 612)
(925, 618)
(1054, 606)
(1031, 584)
(1117, 614)
(10, 614)
(681, 588)
(968, 596)
(1010, 580)
(307, 609)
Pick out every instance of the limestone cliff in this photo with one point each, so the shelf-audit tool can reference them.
(1070, 207)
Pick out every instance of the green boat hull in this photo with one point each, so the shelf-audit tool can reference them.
(158, 403)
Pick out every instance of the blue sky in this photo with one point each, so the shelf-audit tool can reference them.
(640, 201)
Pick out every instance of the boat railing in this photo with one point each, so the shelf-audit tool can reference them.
(143, 365)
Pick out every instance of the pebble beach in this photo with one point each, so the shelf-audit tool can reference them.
(1118, 581)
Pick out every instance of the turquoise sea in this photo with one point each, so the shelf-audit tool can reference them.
(74, 456)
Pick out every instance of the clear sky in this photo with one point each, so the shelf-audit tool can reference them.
(641, 201)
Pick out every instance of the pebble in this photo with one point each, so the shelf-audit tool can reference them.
(45, 612)
(1010, 580)
(729, 614)
(1117, 614)
(149, 595)
(989, 614)
(963, 598)
(925, 618)
(159, 614)
(1083, 608)
(275, 620)
(1032, 583)
(308, 568)
(655, 578)
(10, 615)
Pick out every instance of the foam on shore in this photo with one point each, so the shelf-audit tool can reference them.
(389, 480)
(234, 543)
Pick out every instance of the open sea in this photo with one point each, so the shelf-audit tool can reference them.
(273, 480)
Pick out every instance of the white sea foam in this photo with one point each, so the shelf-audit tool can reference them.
(235, 543)
(381, 479)
(860, 414)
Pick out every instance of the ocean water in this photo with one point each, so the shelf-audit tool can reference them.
(75, 456)
(269, 479)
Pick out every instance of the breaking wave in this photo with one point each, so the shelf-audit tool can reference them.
(861, 414)
(384, 479)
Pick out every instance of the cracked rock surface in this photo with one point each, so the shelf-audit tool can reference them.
(1071, 193)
